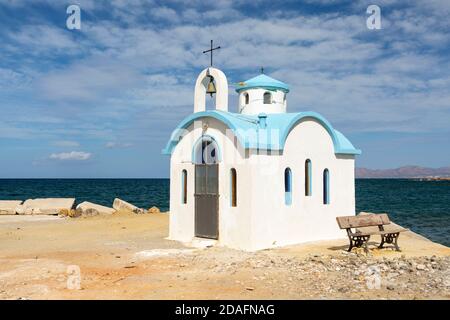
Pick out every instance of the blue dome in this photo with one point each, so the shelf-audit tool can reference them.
(262, 81)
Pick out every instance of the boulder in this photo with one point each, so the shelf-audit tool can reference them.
(9, 206)
(20, 209)
(31, 211)
(92, 209)
(64, 213)
(119, 204)
(46, 206)
(154, 210)
(72, 213)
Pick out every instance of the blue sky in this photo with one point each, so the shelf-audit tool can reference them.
(102, 101)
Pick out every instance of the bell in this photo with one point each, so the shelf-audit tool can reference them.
(211, 87)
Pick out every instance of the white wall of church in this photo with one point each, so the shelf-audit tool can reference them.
(261, 218)
(256, 104)
(234, 222)
(306, 218)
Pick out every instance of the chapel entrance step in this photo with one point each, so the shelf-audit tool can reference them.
(203, 242)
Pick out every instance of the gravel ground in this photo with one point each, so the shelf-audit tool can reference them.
(128, 257)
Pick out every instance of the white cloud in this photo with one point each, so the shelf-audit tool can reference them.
(87, 82)
(164, 13)
(13, 79)
(115, 144)
(71, 156)
(85, 4)
(45, 39)
(384, 80)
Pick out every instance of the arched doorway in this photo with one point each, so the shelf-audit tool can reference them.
(206, 156)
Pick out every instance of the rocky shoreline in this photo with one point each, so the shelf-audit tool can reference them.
(346, 275)
(67, 207)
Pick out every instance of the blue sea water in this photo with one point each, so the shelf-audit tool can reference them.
(422, 206)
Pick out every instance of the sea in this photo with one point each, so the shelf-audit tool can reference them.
(422, 206)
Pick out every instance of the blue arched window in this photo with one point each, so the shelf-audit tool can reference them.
(287, 186)
(184, 187)
(326, 186)
(308, 178)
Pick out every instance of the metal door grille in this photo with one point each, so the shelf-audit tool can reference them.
(207, 201)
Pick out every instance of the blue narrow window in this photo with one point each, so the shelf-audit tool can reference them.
(233, 178)
(287, 186)
(308, 178)
(184, 187)
(326, 186)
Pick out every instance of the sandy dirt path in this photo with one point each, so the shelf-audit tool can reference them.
(126, 256)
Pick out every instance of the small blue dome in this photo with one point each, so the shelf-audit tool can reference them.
(262, 81)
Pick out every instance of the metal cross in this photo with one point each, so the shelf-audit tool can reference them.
(211, 51)
(262, 70)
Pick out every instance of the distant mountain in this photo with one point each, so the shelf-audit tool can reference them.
(403, 172)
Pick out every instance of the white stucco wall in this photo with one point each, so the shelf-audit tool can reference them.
(307, 218)
(256, 102)
(232, 220)
(261, 218)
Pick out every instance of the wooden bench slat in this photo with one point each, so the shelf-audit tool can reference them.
(371, 233)
(370, 220)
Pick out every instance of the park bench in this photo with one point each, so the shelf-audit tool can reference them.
(360, 237)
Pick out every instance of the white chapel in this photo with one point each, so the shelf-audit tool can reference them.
(260, 177)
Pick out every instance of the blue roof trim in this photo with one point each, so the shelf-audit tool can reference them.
(283, 122)
(263, 81)
(236, 122)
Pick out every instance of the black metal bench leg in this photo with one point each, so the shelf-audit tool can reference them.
(396, 242)
(366, 248)
(351, 245)
(382, 242)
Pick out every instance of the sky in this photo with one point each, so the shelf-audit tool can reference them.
(101, 101)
